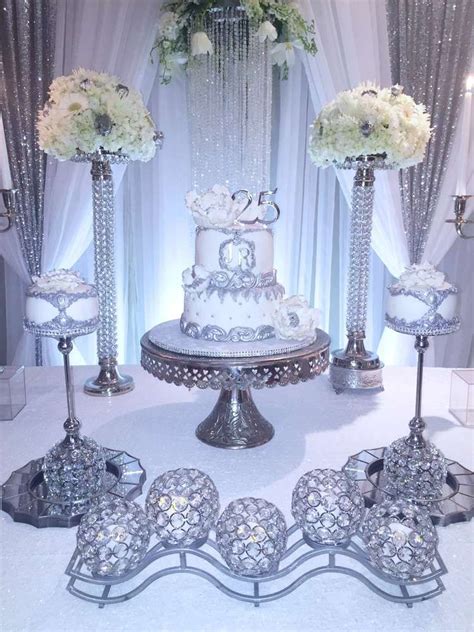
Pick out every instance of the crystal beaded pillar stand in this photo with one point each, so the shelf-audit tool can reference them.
(109, 381)
(354, 367)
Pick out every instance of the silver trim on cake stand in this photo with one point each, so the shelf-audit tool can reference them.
(300, 562)
(354, 367)
(235, 421)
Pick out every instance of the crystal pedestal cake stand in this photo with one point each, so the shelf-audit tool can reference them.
(235, 421)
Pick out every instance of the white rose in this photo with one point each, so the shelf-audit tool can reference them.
(73, 103)
(214, 208)
(201, 44)
(423, 275)
(295, 319)
(60, 281)
(267, 30)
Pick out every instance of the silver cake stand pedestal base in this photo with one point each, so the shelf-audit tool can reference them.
(235, 421)
(355, 371)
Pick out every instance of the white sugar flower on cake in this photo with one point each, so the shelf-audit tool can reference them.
(59, 281)
(294, 319)
(88, 111)
(423, 275)
(216, 209)
(370, 121)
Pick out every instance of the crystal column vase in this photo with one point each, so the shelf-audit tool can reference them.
(109, 381)
(354, 367)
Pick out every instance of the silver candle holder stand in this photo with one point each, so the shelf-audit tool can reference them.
(8, 206)
(459, 221)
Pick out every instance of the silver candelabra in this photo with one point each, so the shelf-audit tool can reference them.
(459, 221)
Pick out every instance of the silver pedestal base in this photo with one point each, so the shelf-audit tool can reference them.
(109, 382)
(355, 371)
(25, 495)
(456, 503)
(235, 422)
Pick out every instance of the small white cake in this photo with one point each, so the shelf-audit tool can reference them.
(422, 303)
(61, 304)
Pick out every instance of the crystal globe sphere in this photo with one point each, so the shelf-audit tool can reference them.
(416, 473)
(113, 537)
(74, 469)
(327, 506)
(401, 539)
(251, 536)
(183, 505)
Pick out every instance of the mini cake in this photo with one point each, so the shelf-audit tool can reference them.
(61, 304)
(422, 303)
(231, 293)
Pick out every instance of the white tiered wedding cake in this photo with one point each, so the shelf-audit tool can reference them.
(231, 293)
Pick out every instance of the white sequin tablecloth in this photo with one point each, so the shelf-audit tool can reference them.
(314, 428)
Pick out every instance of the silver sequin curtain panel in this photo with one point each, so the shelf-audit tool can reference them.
(430, 52)
(27, 36)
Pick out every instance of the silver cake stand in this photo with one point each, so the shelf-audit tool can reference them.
(235, 422)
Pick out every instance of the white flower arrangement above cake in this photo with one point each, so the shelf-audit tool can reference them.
(89, 111)
(294, 319)
(370, 121)
(216, 208)
(180, 35)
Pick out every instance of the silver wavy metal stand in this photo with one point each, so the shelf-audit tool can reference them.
(301, 562)
(354, 367)
(235, 422)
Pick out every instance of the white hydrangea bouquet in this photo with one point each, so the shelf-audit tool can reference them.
(370, 121)
(89, 111)
(180, 39)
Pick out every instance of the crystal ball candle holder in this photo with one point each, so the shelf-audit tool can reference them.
(113, 537)
(74, 469)
(401, 539)
(327, 506)
(251, 536)
(183, 505)
(413, 472)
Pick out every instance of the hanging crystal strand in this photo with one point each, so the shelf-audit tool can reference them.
(230, 103)
(354, 367)
(109, 380)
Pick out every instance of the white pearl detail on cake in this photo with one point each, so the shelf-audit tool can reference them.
(61, 304)
(422, 302)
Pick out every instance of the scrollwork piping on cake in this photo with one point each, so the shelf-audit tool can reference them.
(217, 334)
(62, 326)
(429, 296)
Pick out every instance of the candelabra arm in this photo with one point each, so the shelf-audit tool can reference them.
(417, 424)
(72, 423)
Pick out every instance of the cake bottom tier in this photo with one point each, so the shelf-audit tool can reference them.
(231, 316)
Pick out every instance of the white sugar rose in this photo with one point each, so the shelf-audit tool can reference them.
(295, 319)
(423, 275)
(215, 208)
(265, 31)
(201, 44)
(196, 279)
(60, 281)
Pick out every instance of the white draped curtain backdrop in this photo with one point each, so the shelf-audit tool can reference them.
(154, 231)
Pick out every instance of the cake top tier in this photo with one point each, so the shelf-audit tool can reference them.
(422, 276)
(60, 282)
(220, 209)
